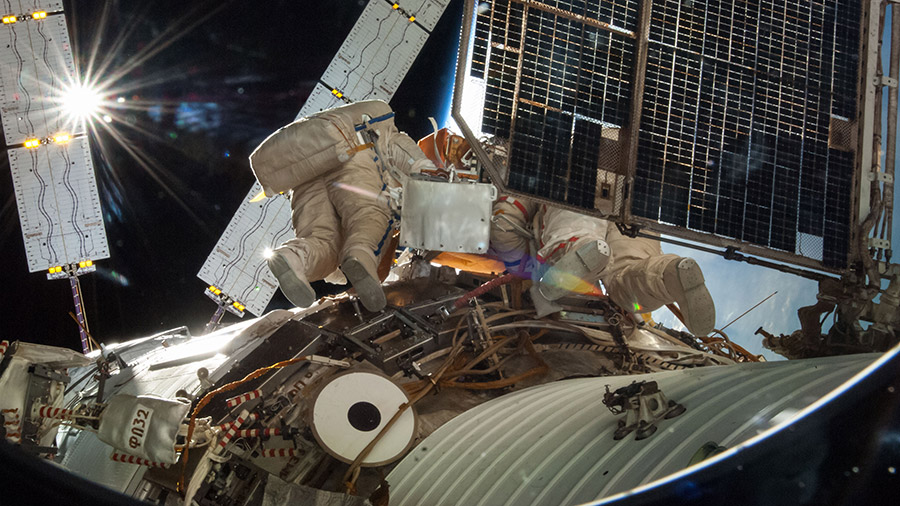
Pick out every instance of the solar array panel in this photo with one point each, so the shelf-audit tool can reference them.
(739, 109)
(370, 64)
(49, 155)
(237, 266)
(58, 203)
(558, 76)
(746, 117)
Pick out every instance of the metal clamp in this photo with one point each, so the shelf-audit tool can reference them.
(883, 177)
(876, 242)
(318, 359)
(496, 219)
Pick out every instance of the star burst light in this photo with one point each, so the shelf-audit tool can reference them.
(104, 97)
(81, 102)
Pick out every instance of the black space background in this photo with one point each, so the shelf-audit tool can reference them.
(258, 61)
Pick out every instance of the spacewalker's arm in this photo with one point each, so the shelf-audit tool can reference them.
(400, 157)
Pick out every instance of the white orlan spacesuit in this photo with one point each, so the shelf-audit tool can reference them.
(336, 164)
(576, 247)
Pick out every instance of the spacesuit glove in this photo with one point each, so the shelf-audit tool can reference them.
(524, 268)
(391, 199)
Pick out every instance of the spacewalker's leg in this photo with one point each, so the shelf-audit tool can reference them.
(365, 222)
(508, 244)
(573, 245)
(313, 253)
(639, 273)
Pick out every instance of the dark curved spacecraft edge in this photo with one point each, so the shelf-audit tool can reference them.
(842, 452)
(27, 480)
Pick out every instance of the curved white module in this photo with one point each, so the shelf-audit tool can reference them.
(553, 444)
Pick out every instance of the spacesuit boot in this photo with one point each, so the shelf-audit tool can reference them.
(290, 270)
(361, 269)
(685, 283)
(577, 268)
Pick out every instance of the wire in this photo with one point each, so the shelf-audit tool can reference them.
(751, 309)
(84, 328)
(349, 478)
(526, 342)
(485, 288)
(209, 397)
(736, 352)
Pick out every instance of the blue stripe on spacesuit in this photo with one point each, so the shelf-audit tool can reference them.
(389, 225)
(384, 237)
(375, 120)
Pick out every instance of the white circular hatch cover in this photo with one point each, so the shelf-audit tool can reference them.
(352, 408)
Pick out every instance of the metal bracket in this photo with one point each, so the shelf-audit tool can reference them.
(887, 81)
(883, 177)
(628, 230)
(875, 242)
(888, 269)
(496, 219)
(42, 371)
(318, 359)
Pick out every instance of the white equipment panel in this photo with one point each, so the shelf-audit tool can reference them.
(59, 207)
(442, 216)
(370, 64)
(35, 67)
(237, 266)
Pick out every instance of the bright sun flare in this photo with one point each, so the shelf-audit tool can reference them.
(81, 102)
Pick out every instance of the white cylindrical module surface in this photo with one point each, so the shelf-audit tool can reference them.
(352, 408)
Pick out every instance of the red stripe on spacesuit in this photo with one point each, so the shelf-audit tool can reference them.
(557, 248)
(515, 203)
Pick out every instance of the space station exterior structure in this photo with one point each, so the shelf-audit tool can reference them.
(298, 395)
(553, 444)
(458, 390)
(49, 154)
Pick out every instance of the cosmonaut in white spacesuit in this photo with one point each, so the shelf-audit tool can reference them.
(573, 248)
(336, 164)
